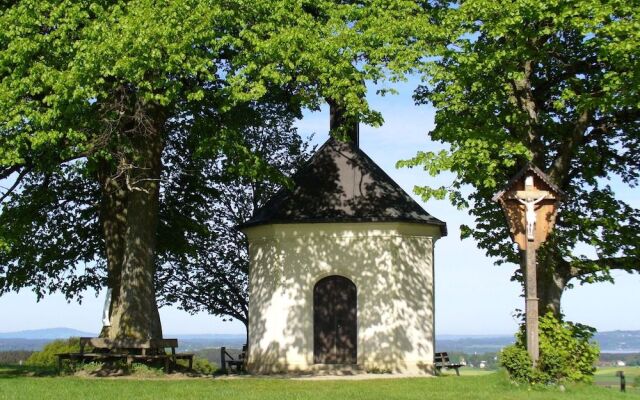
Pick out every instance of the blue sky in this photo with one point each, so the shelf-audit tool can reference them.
(472, 295)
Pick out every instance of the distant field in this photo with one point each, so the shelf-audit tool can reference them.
(619, 342)
(14, 385)
(607, 377)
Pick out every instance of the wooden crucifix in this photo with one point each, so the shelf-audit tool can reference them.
(530, 202)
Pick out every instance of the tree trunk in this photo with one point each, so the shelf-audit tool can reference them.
(114, 216)
(551, 286)
(135, 314)
(554, 275)
(341, 125)
(130, 219)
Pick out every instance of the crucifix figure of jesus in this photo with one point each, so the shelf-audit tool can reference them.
(530, 215)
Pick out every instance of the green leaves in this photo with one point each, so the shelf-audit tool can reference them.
(51, 234)
(202, 259)
(95, 80)
(566, 354)
(551, 82)
(63, 62)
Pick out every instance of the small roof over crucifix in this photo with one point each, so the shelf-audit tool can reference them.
(530, 201)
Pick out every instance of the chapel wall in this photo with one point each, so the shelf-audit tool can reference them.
(391, 265)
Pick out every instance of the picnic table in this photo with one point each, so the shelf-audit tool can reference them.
(130, 350)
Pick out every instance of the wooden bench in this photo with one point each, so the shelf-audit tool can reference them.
(129, 350)
(227, 360)
(441, 360)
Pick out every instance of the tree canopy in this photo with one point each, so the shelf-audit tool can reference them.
(203, 261)
(552, 82)
(94, 95)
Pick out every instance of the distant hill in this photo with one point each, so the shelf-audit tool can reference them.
(51, 333)
(35, 339)
(198, 342)
(472, 344)
(619, 341)
(610, 342)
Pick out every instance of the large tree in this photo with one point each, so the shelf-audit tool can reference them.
(555, 83)
(98, 83)
(201, 258)
(93, 90)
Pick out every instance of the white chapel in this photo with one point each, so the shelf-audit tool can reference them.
(341, 271)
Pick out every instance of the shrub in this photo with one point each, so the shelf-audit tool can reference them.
(566, 350)
(566, 354)
(47, 356)
(202, 366)
(91, 367)
(144, 370)
(517, 362)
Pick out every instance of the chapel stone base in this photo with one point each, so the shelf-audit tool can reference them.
(413, 369)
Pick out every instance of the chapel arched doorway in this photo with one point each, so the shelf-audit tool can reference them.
(335, 321)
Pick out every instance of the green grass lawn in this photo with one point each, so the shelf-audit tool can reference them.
(466, 371)
(15, 385)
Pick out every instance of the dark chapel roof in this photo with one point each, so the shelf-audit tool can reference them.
(340, 183)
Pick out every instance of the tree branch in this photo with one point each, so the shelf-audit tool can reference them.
(236, 293)
(570, 70)
(7, 171)
(525, 100)
(582, 268)
(559, 172)
(15, 185)
(606, 125)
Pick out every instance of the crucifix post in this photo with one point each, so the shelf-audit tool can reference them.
(529, 198)
(531, 302)
(530, 201)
